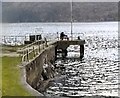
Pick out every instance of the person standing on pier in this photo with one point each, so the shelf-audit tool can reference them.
(63, 36)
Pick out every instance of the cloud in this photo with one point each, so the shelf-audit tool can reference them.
(60, 0)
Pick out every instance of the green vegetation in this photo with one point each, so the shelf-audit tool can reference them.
(11, 85)
(0, 77)
(11, 74)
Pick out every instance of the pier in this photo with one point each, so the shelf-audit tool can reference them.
(62, 45)
(39, 53)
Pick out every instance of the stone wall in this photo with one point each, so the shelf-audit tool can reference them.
(35, 67)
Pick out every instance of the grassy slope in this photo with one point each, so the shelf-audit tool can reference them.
(0, 77)
(11, 77)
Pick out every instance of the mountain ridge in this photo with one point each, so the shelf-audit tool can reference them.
(59, 12)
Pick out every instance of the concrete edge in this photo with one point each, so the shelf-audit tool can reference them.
(26, 85)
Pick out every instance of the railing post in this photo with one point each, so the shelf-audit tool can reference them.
(27, 56)
(22, 57)
(43, 44)
(33, 51)
(39, 46)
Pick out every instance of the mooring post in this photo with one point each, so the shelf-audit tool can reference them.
(81, 51)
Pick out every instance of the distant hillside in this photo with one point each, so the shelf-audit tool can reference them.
(59, 12)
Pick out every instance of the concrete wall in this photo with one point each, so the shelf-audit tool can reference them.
(35, 67)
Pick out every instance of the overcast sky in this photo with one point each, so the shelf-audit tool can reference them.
(60, 0)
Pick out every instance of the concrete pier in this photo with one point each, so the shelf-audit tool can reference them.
(62, 46)
(34, 68)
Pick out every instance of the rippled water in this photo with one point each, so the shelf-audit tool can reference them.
(97, 74)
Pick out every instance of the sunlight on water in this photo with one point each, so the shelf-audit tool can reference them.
(97, 74)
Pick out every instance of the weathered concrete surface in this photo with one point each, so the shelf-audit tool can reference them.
(35, 67)
(32, 91)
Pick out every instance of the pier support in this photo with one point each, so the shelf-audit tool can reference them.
(62, 45)
(64, 53)
(81, 51)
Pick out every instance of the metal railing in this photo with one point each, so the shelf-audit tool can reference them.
(19, 39)
(34, 49)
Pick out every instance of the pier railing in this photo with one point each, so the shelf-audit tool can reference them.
(19, 39)
(32, 50)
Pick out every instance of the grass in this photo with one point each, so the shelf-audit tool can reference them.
(11, 85)
(0, 77)
(11, 74)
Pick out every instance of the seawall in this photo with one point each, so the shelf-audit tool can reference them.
(33, 70)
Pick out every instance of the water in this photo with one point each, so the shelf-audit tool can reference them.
(104, 29)
(97, 74)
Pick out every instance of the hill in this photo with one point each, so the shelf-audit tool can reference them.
(59, 12)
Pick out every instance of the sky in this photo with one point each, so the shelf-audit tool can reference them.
(60, 0)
